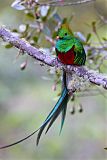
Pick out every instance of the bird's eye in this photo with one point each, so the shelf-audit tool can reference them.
(65, 34)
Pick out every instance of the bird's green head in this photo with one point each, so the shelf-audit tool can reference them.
(64, 32)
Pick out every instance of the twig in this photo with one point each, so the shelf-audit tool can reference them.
(89, 75)
(64, 3)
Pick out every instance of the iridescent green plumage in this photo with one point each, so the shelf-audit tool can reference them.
(66, 42)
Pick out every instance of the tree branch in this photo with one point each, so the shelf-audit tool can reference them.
(91, 75)
(63, 3)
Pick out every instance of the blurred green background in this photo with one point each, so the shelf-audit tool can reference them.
(26, 99)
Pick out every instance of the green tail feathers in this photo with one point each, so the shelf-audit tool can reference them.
(60, 107)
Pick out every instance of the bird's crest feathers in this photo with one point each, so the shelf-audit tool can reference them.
(66, 27)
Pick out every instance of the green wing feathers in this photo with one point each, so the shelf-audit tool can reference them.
(80, 56)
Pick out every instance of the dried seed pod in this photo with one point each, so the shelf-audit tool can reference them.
(23, 65)
(72, 110)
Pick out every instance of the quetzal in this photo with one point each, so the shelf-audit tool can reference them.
(69, 51)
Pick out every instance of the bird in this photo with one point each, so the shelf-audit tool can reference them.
(69, 51)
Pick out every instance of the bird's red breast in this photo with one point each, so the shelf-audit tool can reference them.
(68, 57)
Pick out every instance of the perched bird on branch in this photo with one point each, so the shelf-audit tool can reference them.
(69, 51)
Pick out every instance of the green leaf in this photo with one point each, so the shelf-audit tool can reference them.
(35, 39)
(88, 37)
(64, 20)
(94, 26)
(14, 30)
(104, 38)
(8, 46)
(30, 15)
(54, 35)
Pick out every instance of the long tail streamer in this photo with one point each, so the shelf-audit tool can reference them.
(60, 107)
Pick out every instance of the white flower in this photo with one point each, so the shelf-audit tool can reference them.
(22, 28)
(17, 5)
(44, 10)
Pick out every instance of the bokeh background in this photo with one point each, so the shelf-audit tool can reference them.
(26, 98)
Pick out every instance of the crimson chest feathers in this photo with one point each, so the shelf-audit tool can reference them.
(66, 58)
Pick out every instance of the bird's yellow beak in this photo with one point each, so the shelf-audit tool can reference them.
(57, 37)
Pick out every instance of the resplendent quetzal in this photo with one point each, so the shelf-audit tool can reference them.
(69, 51)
